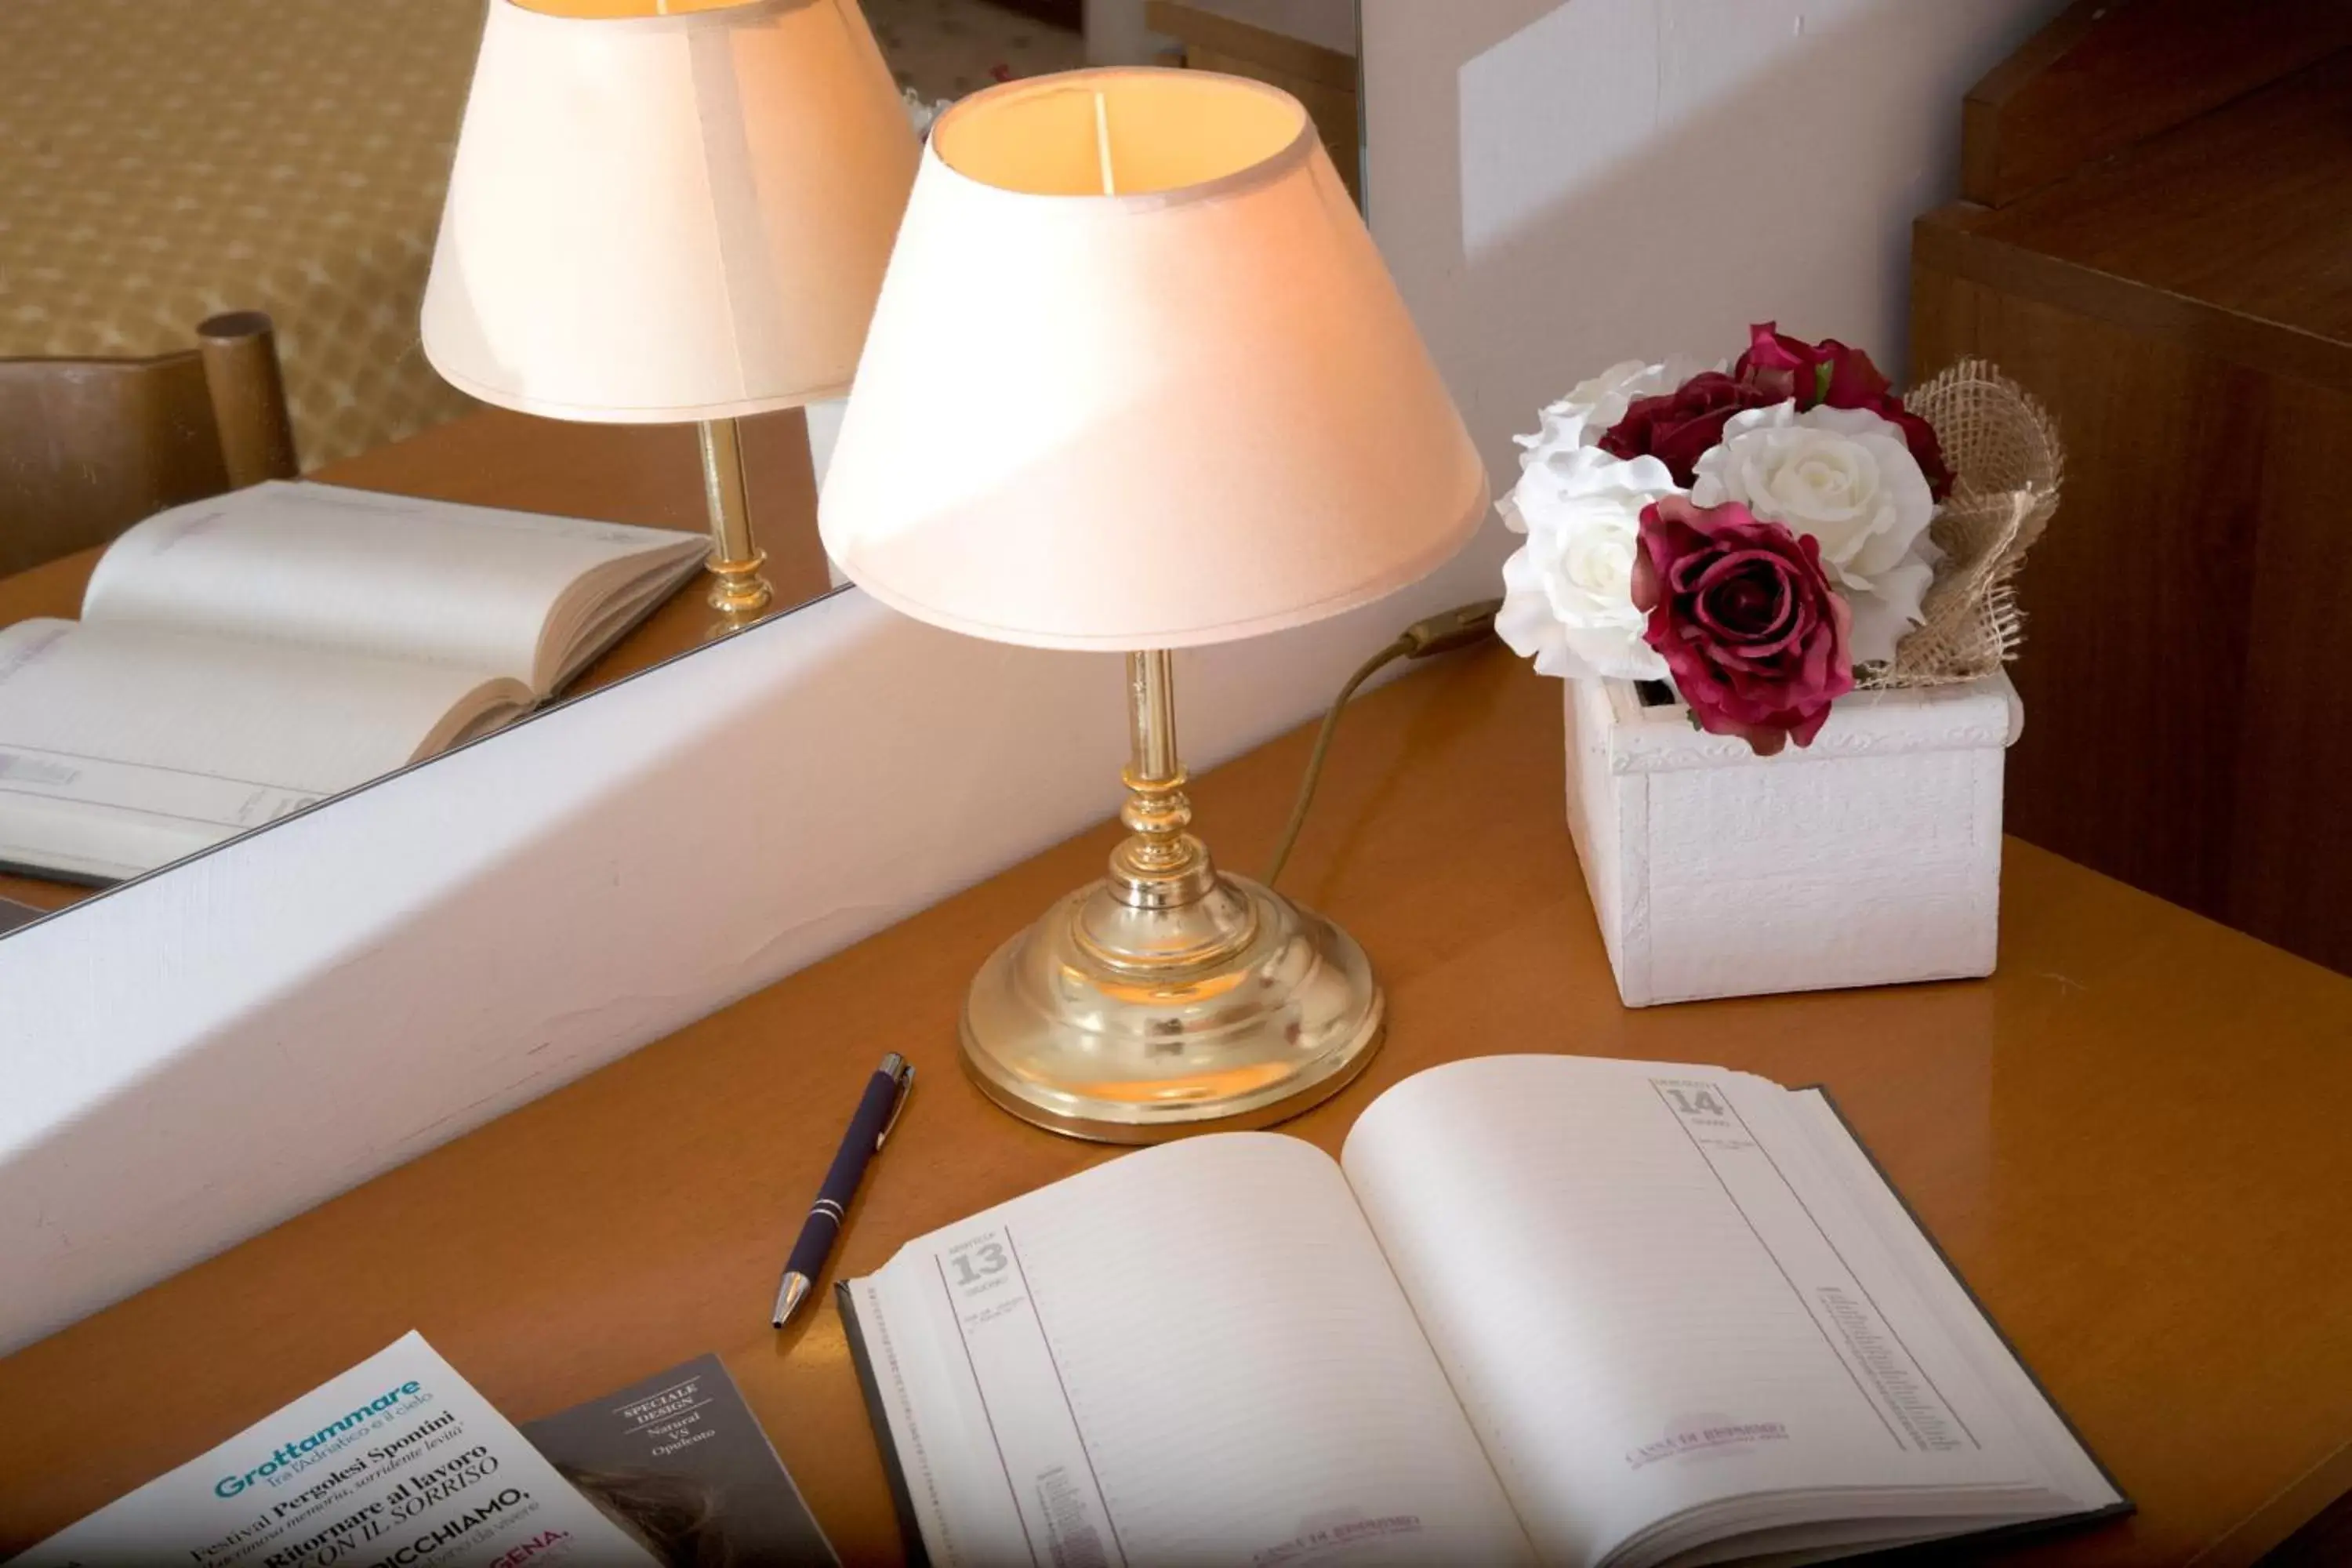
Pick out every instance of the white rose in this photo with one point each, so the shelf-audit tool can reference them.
(1567, 592)
(1846, 477)
(1592, 407)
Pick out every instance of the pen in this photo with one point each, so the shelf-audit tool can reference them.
(877, 1112)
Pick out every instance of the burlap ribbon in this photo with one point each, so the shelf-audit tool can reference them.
(2002, 448)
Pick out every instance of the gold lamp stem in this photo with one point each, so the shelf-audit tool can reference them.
(1161, 865)
(1167, 997)
(737, 589)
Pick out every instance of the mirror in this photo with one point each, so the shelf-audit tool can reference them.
(184, 675)
(198, 677)
(185, 657)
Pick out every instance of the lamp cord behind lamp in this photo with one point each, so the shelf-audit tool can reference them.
(1466, 626)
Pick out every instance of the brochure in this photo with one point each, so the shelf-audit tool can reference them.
(682, 1462)
(397, 1463)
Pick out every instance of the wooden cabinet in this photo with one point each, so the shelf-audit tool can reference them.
(2157, 243)
(1306, 48)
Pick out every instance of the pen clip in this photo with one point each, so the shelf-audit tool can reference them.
(906, 1077)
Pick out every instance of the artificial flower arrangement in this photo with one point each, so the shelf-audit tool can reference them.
(1772, 536)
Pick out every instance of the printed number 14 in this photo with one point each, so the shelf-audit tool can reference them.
(1705, 1105)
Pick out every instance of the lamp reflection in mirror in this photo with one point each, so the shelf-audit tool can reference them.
(670, 214)
(1139, 380)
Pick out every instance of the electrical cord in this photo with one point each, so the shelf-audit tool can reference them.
(1464, 625)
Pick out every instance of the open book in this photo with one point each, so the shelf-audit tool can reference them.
(243, 657)
(1545, 1310)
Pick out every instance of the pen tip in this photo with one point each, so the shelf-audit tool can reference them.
(788, 1300)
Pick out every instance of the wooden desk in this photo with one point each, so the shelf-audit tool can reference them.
(645, 474)
(2132, 1141)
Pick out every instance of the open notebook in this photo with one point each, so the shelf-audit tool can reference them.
(242, 656)
(1545, 1310)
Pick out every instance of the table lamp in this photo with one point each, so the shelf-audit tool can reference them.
(666, 211)
(1138, 380)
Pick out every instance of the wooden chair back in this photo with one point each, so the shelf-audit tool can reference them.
(88, 446)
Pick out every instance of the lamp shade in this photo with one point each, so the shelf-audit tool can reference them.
(658, 218)
(1192, 410)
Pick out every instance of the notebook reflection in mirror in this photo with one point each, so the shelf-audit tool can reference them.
(241, 658)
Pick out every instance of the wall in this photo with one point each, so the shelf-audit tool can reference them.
(1560, 186)
(1116, 35)
(196, 1057)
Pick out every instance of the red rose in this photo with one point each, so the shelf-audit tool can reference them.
(1831, 373)
(1746, 620)
(1677, 426)
(1813, 374)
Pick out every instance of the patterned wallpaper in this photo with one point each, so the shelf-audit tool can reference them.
(947, 48)
(162, 160)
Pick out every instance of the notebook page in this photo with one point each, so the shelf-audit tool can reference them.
(123, 748)
(1645, 1319)
(1193, 1353)
(391, 576)
(1843, 1163)
(604, 606)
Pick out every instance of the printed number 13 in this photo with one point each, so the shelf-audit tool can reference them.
(992, 1261)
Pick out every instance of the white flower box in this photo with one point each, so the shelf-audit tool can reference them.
(1871, 857)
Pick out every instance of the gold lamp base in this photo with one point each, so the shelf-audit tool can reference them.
(1061, 1034)
(1168, 997)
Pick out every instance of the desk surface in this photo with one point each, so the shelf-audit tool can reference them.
(646, 474)
(2132, 1141)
